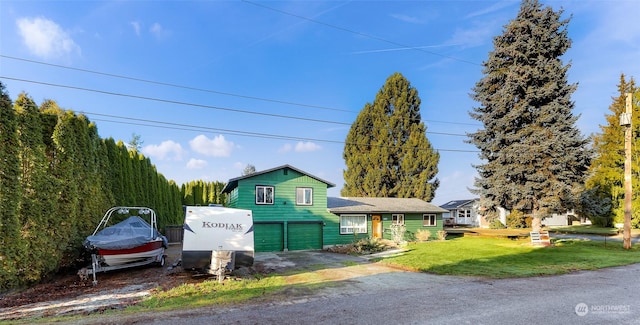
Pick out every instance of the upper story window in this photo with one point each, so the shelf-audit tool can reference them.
(304, 196)
(264, 194)
(397, 219)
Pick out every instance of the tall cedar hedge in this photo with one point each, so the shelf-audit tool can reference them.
(202, 193)
(57, 178)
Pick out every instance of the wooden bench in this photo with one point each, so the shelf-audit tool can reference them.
(540, 238)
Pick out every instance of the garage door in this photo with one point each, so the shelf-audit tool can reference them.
(268, 237)
(301, 236)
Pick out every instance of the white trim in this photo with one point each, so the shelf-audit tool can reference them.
(397, 219)
(431, 224)
(350, 229)
(301, 195)
(266, 197)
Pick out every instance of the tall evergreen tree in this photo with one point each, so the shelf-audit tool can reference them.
(387, 152)
(534, 157)
(10, 239)
(603, 200)
(38, 201)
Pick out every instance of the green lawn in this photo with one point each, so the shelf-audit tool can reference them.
(590, 229)
(504, 258)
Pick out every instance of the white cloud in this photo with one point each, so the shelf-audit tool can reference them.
(216, 147)
(45, 38)
(307, 147)
(478, 34)
(197, 163)
(408, 19)
(159, 31)
(285, 148)
(491, 9)
(299, 147)
(166, 150)
(136, 27)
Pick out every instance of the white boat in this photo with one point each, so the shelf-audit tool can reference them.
(128, 243)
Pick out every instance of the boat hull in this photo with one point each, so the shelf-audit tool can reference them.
(153, 249)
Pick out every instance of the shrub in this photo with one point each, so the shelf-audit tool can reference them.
(397, 233)
(423, 235)
(442, 235)
(516, 220)
(496, 224)
(364, 246)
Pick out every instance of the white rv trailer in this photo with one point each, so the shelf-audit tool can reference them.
(217, 239)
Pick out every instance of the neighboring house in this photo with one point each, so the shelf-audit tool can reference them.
(467, 213)
(289, 209)
(374, 216)
(561, 219)
(462, 212)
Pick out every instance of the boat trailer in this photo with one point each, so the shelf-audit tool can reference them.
(97, 266)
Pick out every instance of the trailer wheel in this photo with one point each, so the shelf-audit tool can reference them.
(160, 263)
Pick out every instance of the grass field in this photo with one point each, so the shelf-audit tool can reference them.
(504, 258)
(589, 229)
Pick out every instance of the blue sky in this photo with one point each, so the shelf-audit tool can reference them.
(211, 86)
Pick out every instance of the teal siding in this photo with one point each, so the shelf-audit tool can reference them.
(284, 209)
(286, 225)
(413, 223)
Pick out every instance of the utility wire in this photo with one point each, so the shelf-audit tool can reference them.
(169, 101)
(175, 85)
(359, 33)
(200, 105)
(201, 89)
(188, 127)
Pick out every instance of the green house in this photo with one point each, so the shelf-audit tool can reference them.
(291, 211)
(374, 217)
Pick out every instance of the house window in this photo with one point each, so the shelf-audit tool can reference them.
(464, 213)
(304, 196)
(264, 194)
(428, 220)
(353, 224)
(397, 219)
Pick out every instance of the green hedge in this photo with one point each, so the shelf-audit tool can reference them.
(57, 178)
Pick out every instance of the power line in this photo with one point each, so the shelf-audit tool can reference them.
(200, 105)
(176, 85)
(189, 127)
(169, 101)
(360, 33)
(201, 89)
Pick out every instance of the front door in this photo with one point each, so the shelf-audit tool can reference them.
(376, 226)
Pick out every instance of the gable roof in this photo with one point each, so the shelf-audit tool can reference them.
(233, 183)
(339, 205)
(452, 205)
